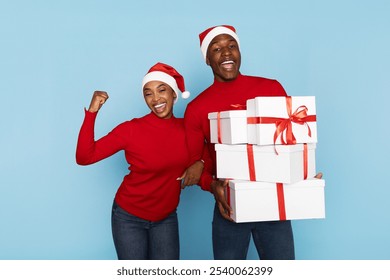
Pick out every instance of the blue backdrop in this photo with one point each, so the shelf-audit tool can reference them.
(55, 54)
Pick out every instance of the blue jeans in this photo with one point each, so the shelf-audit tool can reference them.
(139, 239)
(273, 240)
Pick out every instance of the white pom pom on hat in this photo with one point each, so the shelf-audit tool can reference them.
(167, 74)
(209, 34)
(185, 94)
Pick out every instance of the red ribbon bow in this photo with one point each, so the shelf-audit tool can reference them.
(238, 106)
(284, 125)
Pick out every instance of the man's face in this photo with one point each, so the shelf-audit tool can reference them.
(224, 58)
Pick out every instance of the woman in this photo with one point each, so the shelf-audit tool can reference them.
(144, 219)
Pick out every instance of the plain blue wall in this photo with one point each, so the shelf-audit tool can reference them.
(55, 54)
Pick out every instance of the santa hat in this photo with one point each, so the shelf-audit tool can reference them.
(167, 74)
(209, 34)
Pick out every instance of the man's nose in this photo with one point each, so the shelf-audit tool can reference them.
(226, 51)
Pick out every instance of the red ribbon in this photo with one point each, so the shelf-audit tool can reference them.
(284, 125)
(305, 161)
(234, 106)
(281, 205)
(251, 162)
(238, 106)
(219, 127)
(280, 195)
(228, 195)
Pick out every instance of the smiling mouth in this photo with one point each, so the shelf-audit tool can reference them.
(160, 107)
(227, 64)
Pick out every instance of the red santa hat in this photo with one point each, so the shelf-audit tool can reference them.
(209, 34)
(167, 74)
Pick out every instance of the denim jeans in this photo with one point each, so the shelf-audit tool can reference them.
(139, 239)
(273, 240)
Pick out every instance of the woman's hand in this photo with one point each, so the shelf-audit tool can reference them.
(192, 175)
(97, 101)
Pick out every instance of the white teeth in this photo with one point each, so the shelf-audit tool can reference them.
(227, 62)
(159, 105)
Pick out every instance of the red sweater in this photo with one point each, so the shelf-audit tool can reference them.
(220, 96)
(157, 154)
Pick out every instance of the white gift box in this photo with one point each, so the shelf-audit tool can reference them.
(232, 127)
(263, 112)
(264, 164)
(262, 201)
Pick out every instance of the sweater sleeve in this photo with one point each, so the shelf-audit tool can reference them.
(206, 178)
(89, 151)
(194, 134)
(279, 90)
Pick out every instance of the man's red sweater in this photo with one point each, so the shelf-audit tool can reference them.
(222, 96)
(157, 154)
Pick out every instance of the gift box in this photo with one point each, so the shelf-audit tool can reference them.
(272, 163)
(281, 120)
(228, 127)
(262, 201)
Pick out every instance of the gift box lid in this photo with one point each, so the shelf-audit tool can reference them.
(247, 185)
(275, 106)
(264, 148)
(228, 114)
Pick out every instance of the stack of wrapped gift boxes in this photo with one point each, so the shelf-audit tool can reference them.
(267, 152)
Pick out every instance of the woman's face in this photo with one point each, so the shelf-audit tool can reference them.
(160, 98)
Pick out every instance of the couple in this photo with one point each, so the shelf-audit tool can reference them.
(144, 219)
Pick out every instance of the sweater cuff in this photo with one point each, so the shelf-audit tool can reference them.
(90, 115)
(205, 181)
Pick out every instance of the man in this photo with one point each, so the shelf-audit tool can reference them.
(221, 50)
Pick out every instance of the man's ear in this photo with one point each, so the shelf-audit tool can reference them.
(207, 61)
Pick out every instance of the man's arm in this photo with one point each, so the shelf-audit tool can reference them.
(195, 143)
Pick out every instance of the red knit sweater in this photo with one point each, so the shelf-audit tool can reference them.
(220, 96)
(157, 154)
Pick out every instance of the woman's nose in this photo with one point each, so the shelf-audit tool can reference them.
(156, 96)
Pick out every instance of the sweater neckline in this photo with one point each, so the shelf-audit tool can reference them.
(229, 84)
(152, 118)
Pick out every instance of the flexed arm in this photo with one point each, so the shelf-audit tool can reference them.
(89, 151)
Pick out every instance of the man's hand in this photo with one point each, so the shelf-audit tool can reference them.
(218, 189)
(192, 175)
(97, 101)
(318, 176)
